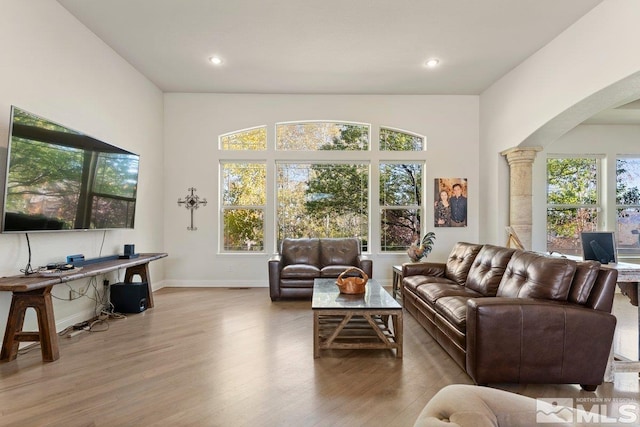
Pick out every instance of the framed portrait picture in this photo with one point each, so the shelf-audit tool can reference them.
(450, 204)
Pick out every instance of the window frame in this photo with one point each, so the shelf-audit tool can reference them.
(419, 208)
(372, 157)
(597, 206)
(363, 163)
(624, 251)
(225, 207)
(334, 122)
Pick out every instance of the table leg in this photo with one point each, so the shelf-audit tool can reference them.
(397, 331)
(40, 301)
(141, 270)
(316, 335)
(394, 280)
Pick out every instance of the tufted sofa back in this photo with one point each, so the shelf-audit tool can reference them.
(488, 268)
(300, 251)
(460, 260)
(339, 251)
(533, 275)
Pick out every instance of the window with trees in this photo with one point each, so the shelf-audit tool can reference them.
(400, 205)
(323, 192)
(401, 183)
(243, 206)
(396, 140)
(573, 201)
(312, 136)
(628, 204)
(328, 197)
(249, 139)
(323, 200)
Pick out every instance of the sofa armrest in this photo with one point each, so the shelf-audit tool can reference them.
(434, 269)
(365, 264)
(530, 340)
(275, 266)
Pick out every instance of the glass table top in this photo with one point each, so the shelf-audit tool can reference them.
(326, 295)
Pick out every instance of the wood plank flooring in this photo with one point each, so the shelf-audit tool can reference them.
(231, 357)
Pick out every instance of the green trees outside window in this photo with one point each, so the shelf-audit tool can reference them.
(574, 205)
(400, 205)
(321, 193)
(323, 199)
(243, 205)
(628, 205)
(572, 202)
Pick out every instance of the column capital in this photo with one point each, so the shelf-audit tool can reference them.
(521, 154)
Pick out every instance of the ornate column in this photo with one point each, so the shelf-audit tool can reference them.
(520, 161)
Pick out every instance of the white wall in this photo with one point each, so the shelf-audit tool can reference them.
(587, 68)
(608, 141)
(52, 66)
(194, 121)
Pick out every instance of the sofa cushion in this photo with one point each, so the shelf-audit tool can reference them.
(432, 291)
(336, 270)
(454, 309)
(339, 252)
(300, 271)
(412, 282)
(487, 269)
(583, 280)
(459, 261)
(301, 251)
(533, 275)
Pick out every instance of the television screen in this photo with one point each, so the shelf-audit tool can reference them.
(60, 179)
(599, 246)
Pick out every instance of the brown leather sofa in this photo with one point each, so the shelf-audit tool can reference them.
(300, 261)
(511, 316)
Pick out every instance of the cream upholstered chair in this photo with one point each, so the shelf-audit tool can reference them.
(463, 405)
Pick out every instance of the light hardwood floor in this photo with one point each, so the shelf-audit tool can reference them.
(231, 357)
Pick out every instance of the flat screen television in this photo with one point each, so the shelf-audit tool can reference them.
(599, 246)
(61, 179)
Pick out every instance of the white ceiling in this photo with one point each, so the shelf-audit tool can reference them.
(327, 46)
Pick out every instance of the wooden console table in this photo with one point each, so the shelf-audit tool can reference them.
(35, 291)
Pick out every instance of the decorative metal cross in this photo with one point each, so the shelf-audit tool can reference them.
(192, 202)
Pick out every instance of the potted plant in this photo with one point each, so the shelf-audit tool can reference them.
(421, 248)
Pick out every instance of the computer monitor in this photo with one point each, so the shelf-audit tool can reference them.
(599, 246)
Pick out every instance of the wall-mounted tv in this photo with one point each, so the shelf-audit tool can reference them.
(61, 179)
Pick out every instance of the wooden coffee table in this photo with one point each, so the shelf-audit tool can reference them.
(372, 320)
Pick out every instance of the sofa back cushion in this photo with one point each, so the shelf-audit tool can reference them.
(488, 268)
(459, 261)
(602, 293)
(533, 275)
(342, 251)
(300, 251)
(583, 280)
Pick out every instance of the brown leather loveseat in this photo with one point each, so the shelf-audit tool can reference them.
(512, 316)
(300, 261)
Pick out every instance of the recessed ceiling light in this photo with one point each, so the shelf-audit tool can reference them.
(431, 62)
(215, 60)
